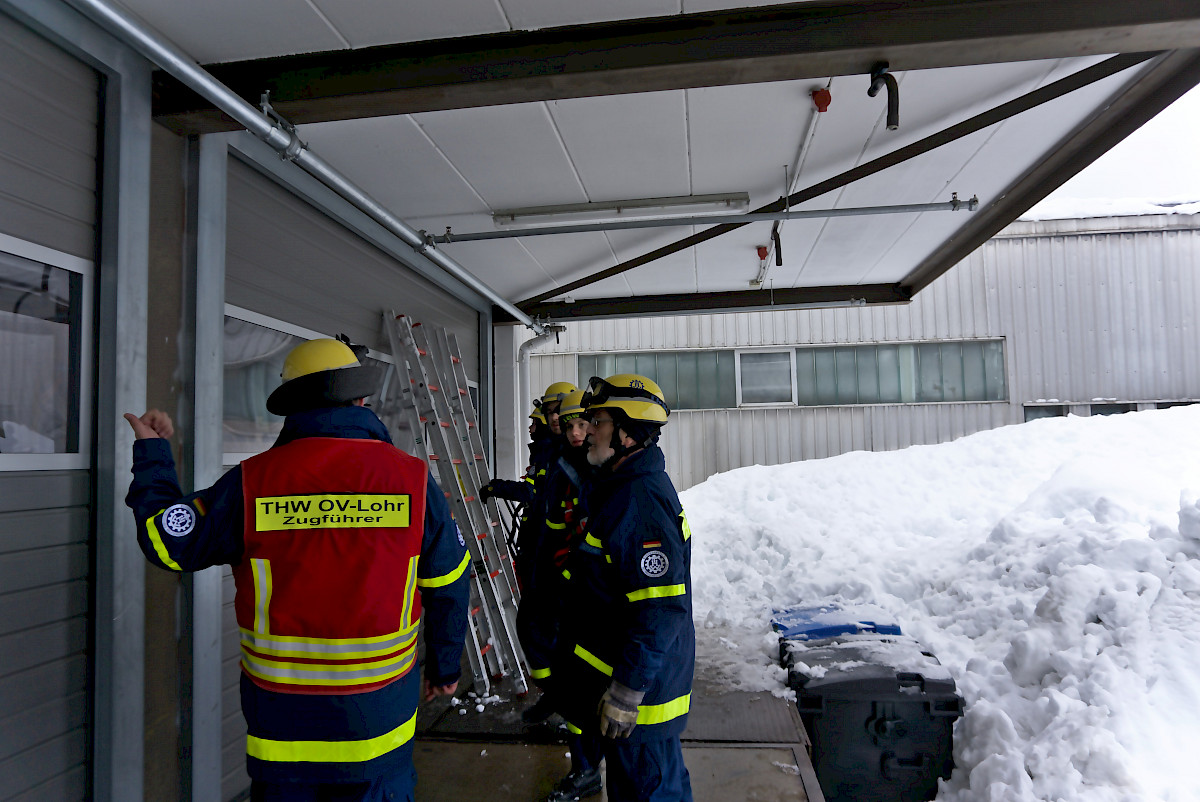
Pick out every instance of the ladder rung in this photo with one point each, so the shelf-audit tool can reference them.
(487, 647)
(481, 537)
(433, 387)
(495, 573)
(471, 424)
(475, 610)
(424, 420)
(455, 359)
(478, 456)
(456, 461)
(433, 456)
(421, 351)
(469, 498)
(444, 424)
(462, 391)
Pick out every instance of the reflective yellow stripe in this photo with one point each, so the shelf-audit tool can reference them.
(608, 557)
(262, 594)
(529, 479)
(339, 649)
(331, 751)
(594, 661)
(539, 673)
(657, 714)
(683, 526)
(571, 728)
(566, 574)
(325, 674)
(657, 592)
(446, 579)
(160, 548)
(592, 541)
(553, 525)
(410, 592)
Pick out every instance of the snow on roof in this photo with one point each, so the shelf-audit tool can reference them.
(1053, 208)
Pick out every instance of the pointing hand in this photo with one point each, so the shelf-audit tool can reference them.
(154, 423)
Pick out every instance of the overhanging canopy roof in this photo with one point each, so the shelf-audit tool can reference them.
(444, 131)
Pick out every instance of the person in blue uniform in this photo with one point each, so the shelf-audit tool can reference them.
(340, 544)
(626, 644)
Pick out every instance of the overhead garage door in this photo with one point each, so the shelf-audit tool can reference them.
(287, 261)
(49, 112)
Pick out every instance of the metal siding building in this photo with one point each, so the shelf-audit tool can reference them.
(1090, 311)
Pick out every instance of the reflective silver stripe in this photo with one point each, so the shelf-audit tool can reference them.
(347, 648)
(262, 594)
(325, 674)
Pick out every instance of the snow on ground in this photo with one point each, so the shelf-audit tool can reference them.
(1053, 567)
(1064, 208)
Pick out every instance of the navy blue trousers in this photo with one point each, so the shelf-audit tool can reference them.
(395, 787)
(646, 772)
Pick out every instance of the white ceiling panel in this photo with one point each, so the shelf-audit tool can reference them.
(394, 161)
(229, 30)
(521, 162)
(377, 22)
(627, 146)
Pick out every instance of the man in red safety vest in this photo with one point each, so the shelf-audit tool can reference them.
(339, 543)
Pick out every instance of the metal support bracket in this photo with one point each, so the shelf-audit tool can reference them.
(295, 147)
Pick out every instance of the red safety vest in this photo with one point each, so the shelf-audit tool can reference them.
(327, 598)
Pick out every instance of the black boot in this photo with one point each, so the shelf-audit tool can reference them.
(539, 711)
(576, 785)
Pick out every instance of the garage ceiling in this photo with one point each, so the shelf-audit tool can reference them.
(433, 129)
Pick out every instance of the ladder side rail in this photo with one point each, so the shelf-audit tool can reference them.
(471, 511)
(407, 380)
(468, 430)
(473, 442)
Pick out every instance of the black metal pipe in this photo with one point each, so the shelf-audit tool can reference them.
(881, 77)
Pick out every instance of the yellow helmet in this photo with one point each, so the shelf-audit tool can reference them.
(316, 355)
(537, 413)
(639, 398)
(571, 406)
(323, 373)
(556, 391)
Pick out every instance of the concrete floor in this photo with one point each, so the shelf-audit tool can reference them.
(505, 772)
(738, 746)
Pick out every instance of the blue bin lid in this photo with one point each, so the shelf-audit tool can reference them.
(831, 620)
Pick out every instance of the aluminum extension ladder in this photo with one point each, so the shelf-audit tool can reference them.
(431, 392)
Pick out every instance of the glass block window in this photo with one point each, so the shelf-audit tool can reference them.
(902, 373)
(689, 379)
(41, 324)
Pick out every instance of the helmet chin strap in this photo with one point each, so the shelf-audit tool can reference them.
(620, 450)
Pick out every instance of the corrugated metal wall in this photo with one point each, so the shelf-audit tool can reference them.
(1088, 309)
(49, 114)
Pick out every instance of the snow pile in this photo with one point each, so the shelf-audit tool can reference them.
(1053, 568)
(1055, 208)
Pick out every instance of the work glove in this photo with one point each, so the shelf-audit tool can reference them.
(618, 710)
(486, 492)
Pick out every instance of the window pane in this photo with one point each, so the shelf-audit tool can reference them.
(806, 378)
(974, 377)
(666, 378)
(952, 372)
(766, 378)
(624, 363)
(826, 377)
(40, 329)
(993, 362)
(847, 376)
(689, 386)
(1034, 413)
(889, 373)
(929, 372)
(868, 375)
(646, 366)
(908, 373)
(706, 380)
(726, 395)
(253, 361)
(586, 366)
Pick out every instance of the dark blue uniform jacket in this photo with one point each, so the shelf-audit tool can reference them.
(629, 610)
(217, 539)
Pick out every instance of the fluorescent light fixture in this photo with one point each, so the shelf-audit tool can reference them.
(636, 209)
